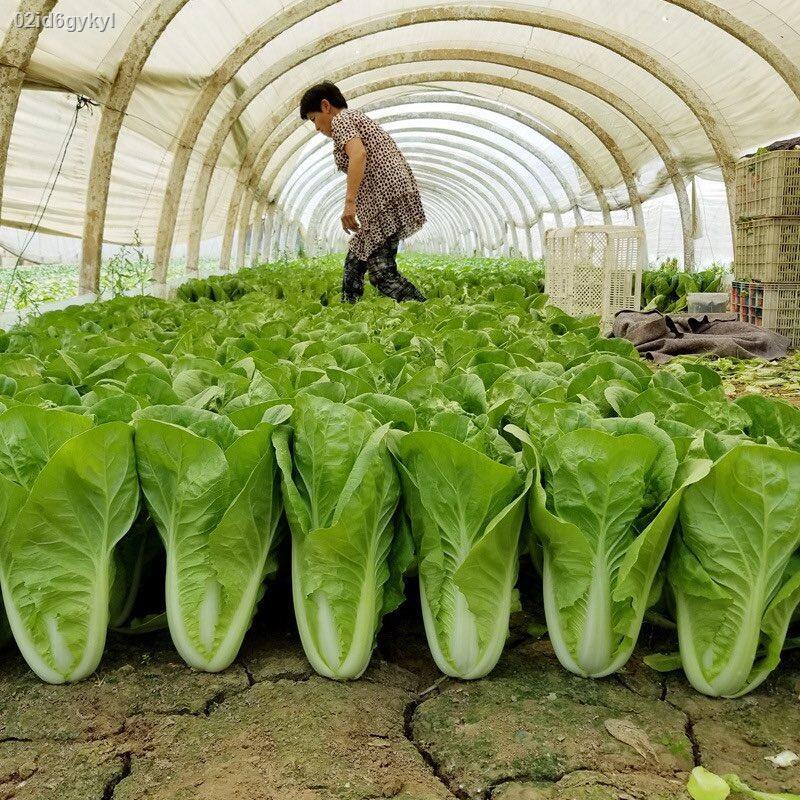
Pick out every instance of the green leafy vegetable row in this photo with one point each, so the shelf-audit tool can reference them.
(442, 440)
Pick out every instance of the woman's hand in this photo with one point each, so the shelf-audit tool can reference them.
(349, 221)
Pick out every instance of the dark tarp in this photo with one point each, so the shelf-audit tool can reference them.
(661, 337)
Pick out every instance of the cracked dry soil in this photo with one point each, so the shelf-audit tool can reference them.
(146, 726)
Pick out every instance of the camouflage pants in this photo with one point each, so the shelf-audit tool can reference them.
(381, 267)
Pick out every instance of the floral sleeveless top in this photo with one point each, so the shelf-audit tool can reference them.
(388, 200)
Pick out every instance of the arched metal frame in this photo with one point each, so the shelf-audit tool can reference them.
(487, 211)
(475, 204)
(326, 222)
(481, 215)
(461, 137)
(439, 13)
(622, 46)
(513, 185)
(636, 118)
(115, 104)
(472, 207)
(449, 230)
(15, 55)
(432, 118)
(580, 162)
(244, 192)
(290, 125)
(506, 112)
(509, 180)
(244, 187)
(463, 100)
(18, 46)
(428, 55)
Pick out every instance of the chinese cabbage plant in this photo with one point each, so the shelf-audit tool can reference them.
(69, 493)
(340, 493)
(214, 494)
(466, 511)
(734, 569)
(602, 509)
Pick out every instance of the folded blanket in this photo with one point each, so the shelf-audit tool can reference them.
(660, 337)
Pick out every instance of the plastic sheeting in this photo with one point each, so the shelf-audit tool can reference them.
(528, 72)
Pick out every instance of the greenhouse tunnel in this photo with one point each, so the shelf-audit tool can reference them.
(178, 123)
(400, 399)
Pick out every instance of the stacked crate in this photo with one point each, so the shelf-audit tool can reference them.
(766, 289)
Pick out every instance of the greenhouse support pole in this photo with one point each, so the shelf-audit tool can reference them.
(244, 224)
(294, 240)
(228, 234)
(115, 105)
(255, 250)
(283, 236)
(15, 55)
(529, 240)
(266, 239)
(540, 228)
(291, 240)
(277, 217)
(195, 117)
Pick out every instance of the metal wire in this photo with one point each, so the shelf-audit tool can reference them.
(81, 103)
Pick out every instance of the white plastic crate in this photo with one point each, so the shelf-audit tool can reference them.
(768, 250)
(768, 185)
(594, 269)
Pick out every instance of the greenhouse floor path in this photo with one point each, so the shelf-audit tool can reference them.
(146, 726)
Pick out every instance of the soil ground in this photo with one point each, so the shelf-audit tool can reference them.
(146, 726)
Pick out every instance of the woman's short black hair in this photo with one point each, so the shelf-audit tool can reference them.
(312, 99)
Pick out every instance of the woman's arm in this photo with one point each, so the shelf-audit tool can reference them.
(357, 163)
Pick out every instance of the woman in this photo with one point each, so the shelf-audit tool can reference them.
(382, 203)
